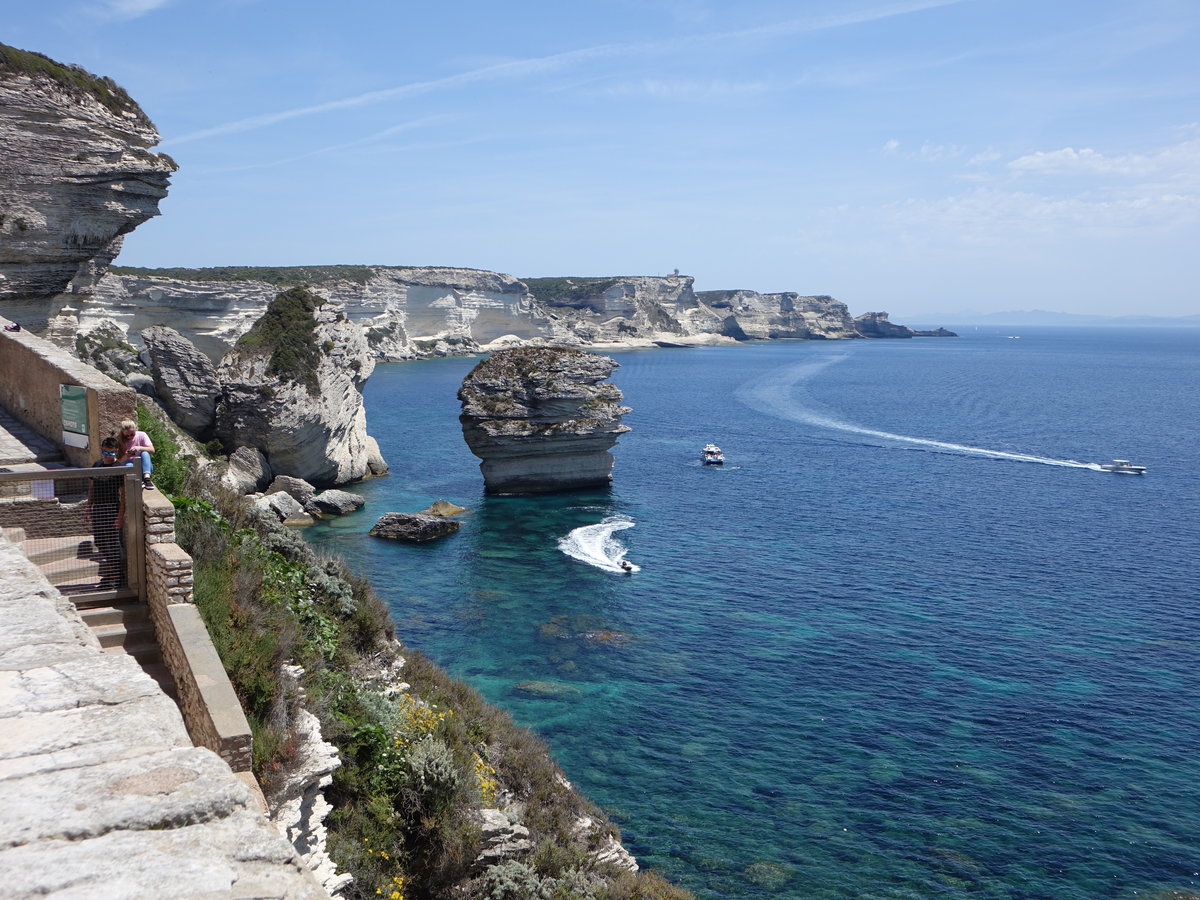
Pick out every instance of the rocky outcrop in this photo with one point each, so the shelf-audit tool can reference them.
(784, 315)
(877, 325)
(292, 388)
(246, 472)
(415, 528)
(336, 503)
(77, 174)
(185, 380)
(542, 420)
(934, 332)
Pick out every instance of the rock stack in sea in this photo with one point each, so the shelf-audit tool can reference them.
(542, 420)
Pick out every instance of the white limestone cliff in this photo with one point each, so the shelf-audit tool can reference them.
(76, 175)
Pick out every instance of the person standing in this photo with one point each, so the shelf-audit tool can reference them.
(136, 445)
(106, 515)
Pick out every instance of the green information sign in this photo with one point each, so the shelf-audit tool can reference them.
(74, 408)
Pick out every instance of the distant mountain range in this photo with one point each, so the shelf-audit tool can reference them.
(1045, 317)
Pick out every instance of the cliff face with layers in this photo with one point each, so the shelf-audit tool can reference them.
(542, 420)
(76, 175)
(292, 389)
(417, 312)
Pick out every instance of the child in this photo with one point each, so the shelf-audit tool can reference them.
(136, 444)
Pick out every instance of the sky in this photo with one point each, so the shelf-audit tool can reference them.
(915, 156)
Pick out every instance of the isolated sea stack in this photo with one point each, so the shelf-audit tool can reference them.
(542, 420)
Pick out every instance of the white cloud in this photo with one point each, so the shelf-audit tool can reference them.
(1176, 160)
(891, 146)
(986, 215)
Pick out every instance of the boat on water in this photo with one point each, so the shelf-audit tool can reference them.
(1123, 467)
(712, 455)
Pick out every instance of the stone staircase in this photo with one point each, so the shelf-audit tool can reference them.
(124, 626)
(119, 619)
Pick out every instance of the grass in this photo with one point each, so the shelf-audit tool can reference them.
(75, 80)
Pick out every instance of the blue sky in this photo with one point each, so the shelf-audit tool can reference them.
(917, 156)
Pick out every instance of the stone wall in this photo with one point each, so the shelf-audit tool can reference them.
(209, 704)
(31, 371)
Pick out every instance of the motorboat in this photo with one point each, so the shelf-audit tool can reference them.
(712, 455)
(626, 567)
(1123, 467)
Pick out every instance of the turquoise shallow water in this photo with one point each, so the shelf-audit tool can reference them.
(862, 660)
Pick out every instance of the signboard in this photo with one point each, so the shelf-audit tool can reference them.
(74, 408)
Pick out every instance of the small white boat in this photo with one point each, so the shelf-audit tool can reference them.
(712, 455)
(1124, 467)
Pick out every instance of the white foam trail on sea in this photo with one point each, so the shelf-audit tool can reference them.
(773, 394)
(596, 546)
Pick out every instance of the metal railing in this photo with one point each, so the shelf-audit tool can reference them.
(82, 527)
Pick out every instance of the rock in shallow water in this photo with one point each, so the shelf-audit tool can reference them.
(414, 527)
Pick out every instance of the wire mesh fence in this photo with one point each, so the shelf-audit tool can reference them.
(81, 527)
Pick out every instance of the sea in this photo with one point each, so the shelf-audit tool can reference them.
(909, 642)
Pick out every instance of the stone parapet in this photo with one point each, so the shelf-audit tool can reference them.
(209, 704)
(159, 515)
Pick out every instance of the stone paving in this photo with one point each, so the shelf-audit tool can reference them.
(102, 794)
(21, 444)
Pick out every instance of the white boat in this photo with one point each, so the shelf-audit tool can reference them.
(712, 455)
(1124, 467)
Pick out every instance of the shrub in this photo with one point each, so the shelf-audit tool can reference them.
(513, 880)
(286, 332)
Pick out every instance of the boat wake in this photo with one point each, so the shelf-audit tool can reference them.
(774, 394)
(596, 546)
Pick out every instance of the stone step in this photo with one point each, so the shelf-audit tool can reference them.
(131, 639)
(127, 612)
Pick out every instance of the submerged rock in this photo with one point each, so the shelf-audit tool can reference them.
(541, 420)
(413, 527)
(443, 508)
(551, 690)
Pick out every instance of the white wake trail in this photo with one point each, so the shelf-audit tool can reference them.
(596, 546)
(774, 394)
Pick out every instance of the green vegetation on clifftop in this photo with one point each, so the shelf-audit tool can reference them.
(280, 276)
(287, 331)
(73, 78)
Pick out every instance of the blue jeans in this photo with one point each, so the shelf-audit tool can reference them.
(147, 465)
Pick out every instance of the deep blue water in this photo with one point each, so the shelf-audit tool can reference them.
(857, 666)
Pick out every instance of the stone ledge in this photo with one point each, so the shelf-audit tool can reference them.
(101, 794)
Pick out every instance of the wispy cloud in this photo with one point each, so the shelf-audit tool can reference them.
(684, 89)
(374, 138)
(558, 61)
(129, 9)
